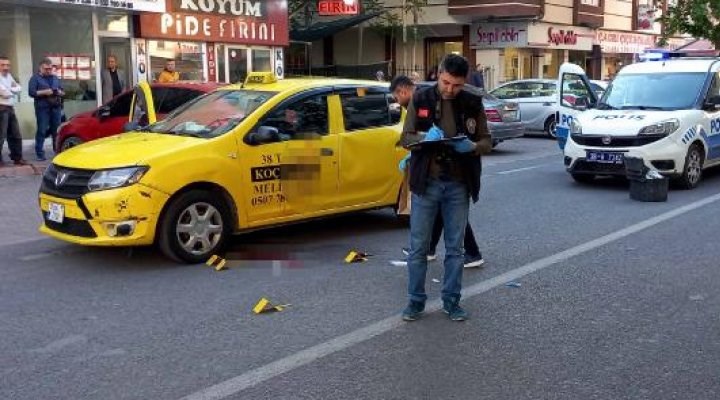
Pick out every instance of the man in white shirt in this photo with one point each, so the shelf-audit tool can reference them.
(9, 128)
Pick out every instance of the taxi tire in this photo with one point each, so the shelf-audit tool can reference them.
(685, 181)
(167, 234)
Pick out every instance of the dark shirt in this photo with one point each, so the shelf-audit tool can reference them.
(41, 82)
(117, 88)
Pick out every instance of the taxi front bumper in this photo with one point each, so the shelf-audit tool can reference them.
(124, 216)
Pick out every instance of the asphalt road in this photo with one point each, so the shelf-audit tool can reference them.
(616, 299)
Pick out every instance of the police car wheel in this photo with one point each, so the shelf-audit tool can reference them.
(583, 178)
(692, 173)
(550, 127)
(194, 227)
(70, 142)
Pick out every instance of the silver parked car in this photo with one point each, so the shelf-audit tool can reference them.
(503, 117)
(536, 99)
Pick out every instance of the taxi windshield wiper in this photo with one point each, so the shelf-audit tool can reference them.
(641, 107)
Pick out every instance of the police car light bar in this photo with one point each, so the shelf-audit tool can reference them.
(664, 54)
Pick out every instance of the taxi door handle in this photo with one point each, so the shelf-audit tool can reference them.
(326, 151)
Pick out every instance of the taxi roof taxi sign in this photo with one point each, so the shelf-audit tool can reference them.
(260, 77)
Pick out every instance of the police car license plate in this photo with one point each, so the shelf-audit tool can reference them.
(604, 157)
(56, 212)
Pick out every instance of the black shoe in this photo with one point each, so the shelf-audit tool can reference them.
(454, 311)
(20, 161)
(413, 311)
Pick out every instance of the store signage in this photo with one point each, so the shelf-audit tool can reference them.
(130, 5)
(211, 63)
(222, 21)
(561, 36)
(338, 7)
(488, 35)
(621, 42)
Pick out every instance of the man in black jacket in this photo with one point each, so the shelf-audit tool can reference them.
(443, 177)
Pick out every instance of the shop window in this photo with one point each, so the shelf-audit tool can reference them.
(261, 60)
(303, 117)
(113, 22)
(188, 58)
(367, 111)
(67, 39)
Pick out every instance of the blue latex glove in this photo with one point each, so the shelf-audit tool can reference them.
(403, 163)
(433, 134)
(463, 146)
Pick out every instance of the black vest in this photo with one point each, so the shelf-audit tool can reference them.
(467, 106)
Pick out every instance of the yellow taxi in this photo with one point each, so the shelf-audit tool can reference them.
(244, 157)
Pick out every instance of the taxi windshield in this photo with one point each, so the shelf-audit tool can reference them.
(213, 114)
(657, 91)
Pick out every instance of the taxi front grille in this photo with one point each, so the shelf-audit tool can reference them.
(68, 183)
(71, 226)
(615, 141)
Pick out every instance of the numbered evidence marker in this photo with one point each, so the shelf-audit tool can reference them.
(217, 262)
(265, 306)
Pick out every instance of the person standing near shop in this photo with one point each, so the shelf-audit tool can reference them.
(443, 178)
(9, 127)
(477, 78)
(47, 91)
(113, 82)
(169, 74)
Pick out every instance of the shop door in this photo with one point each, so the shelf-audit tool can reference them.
(120, 48)
(237, 64)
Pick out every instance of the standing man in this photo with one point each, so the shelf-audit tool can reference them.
(403, 88)
(9, 128)
(113, 82)
(443, 178)
(477, 78)
(47, 91)
(169, 74)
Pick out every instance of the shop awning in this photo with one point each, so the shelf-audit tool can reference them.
(698, 44)
(320, 30)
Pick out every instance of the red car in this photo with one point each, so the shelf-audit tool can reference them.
(110, 118)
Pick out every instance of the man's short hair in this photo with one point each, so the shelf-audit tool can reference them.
(454, 65)
(401, 81)
(4, 58)
(45, 61)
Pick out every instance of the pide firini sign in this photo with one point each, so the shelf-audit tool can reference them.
(263, 22)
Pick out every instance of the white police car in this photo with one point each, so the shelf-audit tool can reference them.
(665, 110)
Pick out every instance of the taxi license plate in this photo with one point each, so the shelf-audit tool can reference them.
(56, 212)
(604, 157)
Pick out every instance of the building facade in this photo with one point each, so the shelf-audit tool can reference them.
(77, 38)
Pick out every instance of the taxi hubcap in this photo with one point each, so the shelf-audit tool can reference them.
(199, 228)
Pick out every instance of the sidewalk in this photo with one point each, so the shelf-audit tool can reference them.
(35, 167)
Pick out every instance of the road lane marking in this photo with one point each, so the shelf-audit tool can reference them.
(512, 171)
(266, 372)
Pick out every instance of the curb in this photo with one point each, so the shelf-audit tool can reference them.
(22, 170)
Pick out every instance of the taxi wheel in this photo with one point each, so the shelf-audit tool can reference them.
(194, 227)
(70, 142)
(692, 173)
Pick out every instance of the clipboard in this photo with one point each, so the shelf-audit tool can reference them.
(434, 143)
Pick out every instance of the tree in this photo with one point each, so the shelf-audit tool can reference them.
(699, 18)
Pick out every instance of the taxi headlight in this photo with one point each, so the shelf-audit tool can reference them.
(115, 178)
(661, 128)
(575, 127)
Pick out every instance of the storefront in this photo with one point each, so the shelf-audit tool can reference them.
(523, 50)
(620, 48)
(214, 40)
(77, 38)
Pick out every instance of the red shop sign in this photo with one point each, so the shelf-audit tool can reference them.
(562, 37)
(338, 7)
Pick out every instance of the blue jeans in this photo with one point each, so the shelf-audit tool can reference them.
(48, 121)
(452, 200)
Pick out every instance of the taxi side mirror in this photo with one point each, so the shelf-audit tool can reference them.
(264, 134)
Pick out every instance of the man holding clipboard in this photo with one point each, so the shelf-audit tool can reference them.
(446, 131)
